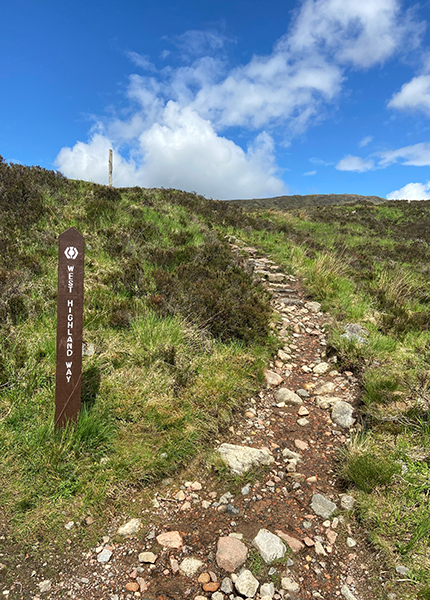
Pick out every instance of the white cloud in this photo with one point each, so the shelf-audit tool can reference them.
(271, 90)
(365, 141)
(414, 95)
(141, 61)
(411, 191)
(417, 155)
(181, 151)
(310, 173)
(90, 162)
(177, 127)
(362, 33)
(196, 42)
(355, 163)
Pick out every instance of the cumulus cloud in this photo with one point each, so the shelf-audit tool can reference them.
(181, 120)
(355, 163)
(411, 191)
(181, 151)
(89, 161)
(414, 95)
(310, 173)
(362, 33)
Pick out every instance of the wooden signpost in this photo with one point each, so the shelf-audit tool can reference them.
(70, 305)
(110, 167)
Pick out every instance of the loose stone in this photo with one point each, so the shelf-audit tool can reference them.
(314, 307)
(295, 544)
(246, 584)
(326, 389)
(226, 585)
(272, 378)
(170, 539)
(147, 557)
(104, 556)
(241, 458)
(269, 545)
(189, 566)
(212, 586)
(321, 368)
(286, 453)
(347, 502)
(301, 445)
(130, 528)
(319, 549)
(289, 584)
(341, 414)
(326, 402)
(322, 506)
(267, 589)
(231, 553)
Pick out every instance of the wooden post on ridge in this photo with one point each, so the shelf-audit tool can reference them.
(110, 167)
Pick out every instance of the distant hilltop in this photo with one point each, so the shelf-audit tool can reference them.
(286, 202)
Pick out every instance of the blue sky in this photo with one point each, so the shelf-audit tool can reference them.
(231, 99)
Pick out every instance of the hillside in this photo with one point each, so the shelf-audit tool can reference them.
(310, 200)
(167, 306)
(178, 329)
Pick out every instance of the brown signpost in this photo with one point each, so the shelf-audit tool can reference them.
(70, 305)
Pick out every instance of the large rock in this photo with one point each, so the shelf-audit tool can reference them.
(267, 589)
(272, 378)
(326, 389)
(170, 539)
(130, 528)
(288, 396)
(189, 566)
(104, 556)
(347, 502)
(321, 368)
(231, 553)
(341, 414)
(322, 506)
(269, 545)
(289, 584)
(241, 458)
(326, 402)
(246, 584)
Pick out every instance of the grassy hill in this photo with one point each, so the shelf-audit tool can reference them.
(181, 335)
(310, 200)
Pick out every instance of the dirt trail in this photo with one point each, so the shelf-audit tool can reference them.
(330, 557)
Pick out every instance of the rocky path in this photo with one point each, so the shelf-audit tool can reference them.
(288, 533)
